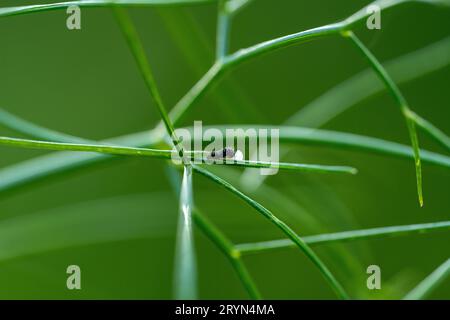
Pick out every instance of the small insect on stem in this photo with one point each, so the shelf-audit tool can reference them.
(225, 153)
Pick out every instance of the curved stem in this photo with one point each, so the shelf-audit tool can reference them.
(424, 288)
(401, 102)
(218, 238)
(12, 11)
(337, 287)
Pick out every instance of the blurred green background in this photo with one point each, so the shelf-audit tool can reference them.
(117, 220)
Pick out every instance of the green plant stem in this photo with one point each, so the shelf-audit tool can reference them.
(233, 60)
(166, 154)
(223, 30)
(12, 11)
(288, 134)
(327, 238)
(338, 289)
(135, 45)
(52, 164)
(299, 37)
(107, 149)
(185, 279)
(234, 6)
(366, 84)
(195, 93)
(226, 63)
(379, 69)
(219, 239)
(26, 127)
(63, 162)
(246, 54)
(424, 288)
(401, 102)
(291, 166)
(214, 74)
(240, 56)
(334, 139)
(434, 132)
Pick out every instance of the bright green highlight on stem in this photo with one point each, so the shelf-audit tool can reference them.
(185, 280)
(114, 150)
(326, 238)
(218, 238)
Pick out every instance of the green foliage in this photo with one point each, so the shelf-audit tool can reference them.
(185, 276)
